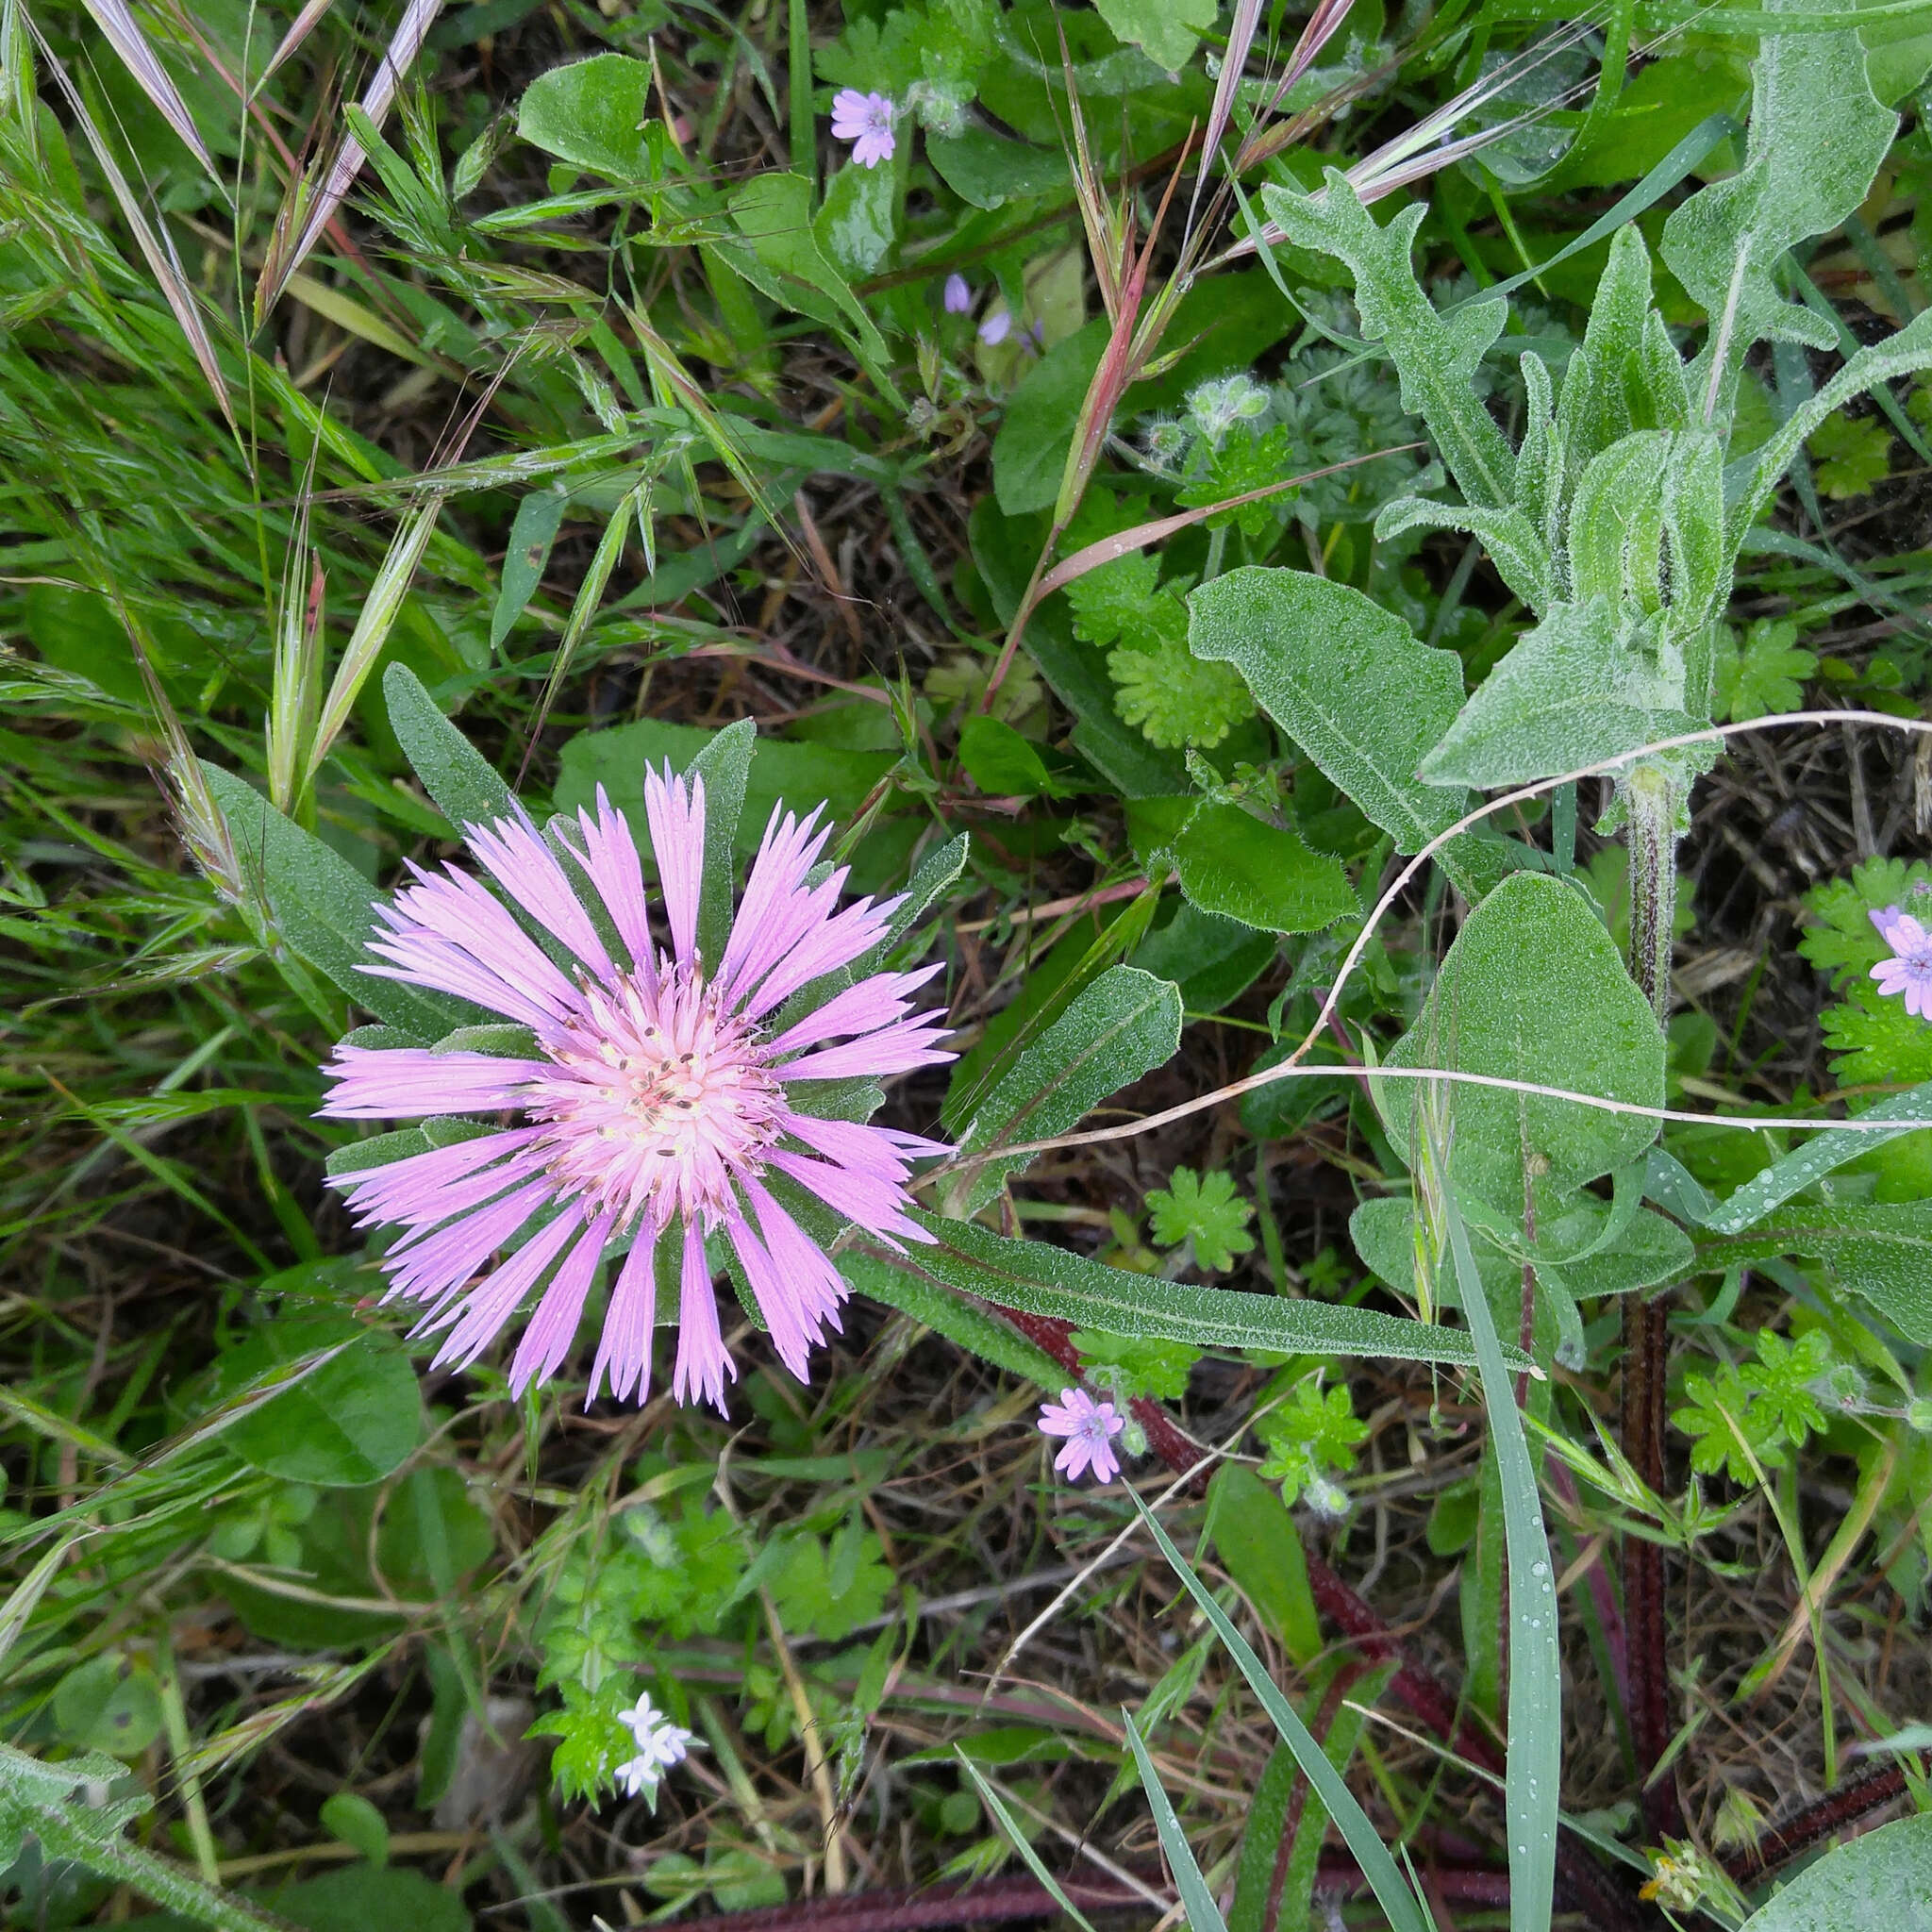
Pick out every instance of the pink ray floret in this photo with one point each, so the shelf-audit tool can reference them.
(658, 1096)
(1090, 1428)
(1910, 971)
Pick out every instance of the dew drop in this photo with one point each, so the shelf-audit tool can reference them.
(1539, 1569)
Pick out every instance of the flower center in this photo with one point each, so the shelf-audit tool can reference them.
(658, 1099)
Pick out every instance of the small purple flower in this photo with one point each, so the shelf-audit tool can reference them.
(1910, 971)
(997, 327)
(866, 122)
(958, 295)
(661, 1091)
(660, 1744)
(1090, 1428)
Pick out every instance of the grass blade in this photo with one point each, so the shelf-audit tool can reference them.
(404, 44)
(155, 246)
(123, 33)
(1536, 1679)
(299, 30)
(1392, 1890)
(1204, 1915)
(372, 625)
(991, 1798)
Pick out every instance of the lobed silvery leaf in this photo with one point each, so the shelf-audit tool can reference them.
(324, 909)
(1515, 545)
(1817, 137)
(1436, 355)
(1750, 481)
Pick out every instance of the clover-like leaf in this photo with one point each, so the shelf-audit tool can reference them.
(1762, 1411)
(1783, 1383)
(1206, 1211)
(1852, 452)
(1112, 600)
(1172, 696)
(1718, 1416)
(1767, 678)
(1307, 1437)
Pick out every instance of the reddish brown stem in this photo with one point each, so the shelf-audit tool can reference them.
(933, 1908)
(1829, 1815)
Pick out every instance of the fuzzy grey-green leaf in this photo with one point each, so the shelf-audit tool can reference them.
(1533, 990)
(1040, 1279)
(1124, 1024)
(1348, 681)
(1571, 693)
(1883, 1879)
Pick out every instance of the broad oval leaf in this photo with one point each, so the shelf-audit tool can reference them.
(349, 1422)
(1883, 1879)
(591, 113)
(1533, 990)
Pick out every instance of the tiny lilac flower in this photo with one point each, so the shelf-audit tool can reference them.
(866, 122)
(1910, 971)
(997, 327)
(661, 1092)
(1090, 1427)
(660, 1744)
(958, 296)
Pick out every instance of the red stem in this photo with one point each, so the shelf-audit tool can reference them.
(1830, 1814)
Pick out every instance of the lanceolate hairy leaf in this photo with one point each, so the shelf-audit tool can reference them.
(1124, 1024)
(323, 909)
(454, 773)
(1819, 1157)
(1040, 1279)
(1881, 1250)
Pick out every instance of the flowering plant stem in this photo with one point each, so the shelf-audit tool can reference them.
(1653, 799)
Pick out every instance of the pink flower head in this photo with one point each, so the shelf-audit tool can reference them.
(664, 1096)
(866, 122)
(958, 295)
(1090, 1428)
(1910, 971)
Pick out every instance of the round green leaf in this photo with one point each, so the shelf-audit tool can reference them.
(352, 1818)
(109, 1704)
